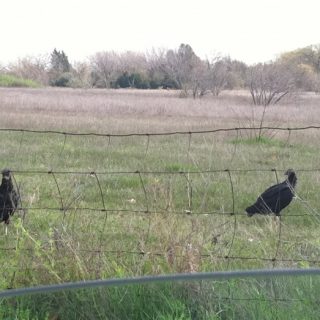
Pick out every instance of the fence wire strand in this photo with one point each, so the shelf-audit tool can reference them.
(95, 134)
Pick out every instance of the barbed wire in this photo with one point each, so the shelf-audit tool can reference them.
(146, 208)
(165, 255)
(154, 212)
(156, 172)
(96, 134)
(149, 212)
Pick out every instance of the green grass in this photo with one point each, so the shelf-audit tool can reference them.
(181, 221)
(167, 197)
(276, 298)
(13, 81)
(263, 140)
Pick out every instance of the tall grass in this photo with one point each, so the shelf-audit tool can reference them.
(277, 298)
(155, 222)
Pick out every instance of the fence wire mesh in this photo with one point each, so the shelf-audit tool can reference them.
(152, 205)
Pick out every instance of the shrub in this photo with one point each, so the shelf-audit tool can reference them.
(61, 80)
(139, 81)
(133, 80)
(123, 81)
(7, 80)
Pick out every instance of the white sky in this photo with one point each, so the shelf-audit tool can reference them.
(248, 30)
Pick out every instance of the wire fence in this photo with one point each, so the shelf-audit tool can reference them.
(81, 207)
(64, 133)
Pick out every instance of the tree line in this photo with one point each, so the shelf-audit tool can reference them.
(179, 69)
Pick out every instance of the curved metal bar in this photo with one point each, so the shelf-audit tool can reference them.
(221, 275)
(233, 214)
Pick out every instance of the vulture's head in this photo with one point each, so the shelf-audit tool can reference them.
(292, 178)
(6, 174)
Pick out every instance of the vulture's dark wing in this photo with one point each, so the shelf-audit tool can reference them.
(277, 197)
(4, 211)
(273, 200)
(14, 199)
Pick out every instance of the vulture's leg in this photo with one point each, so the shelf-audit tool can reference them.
(6, 226)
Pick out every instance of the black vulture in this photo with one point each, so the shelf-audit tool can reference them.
(8, 197)
(275, 198)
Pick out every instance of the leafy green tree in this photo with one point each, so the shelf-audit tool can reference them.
(60, 62)
(123, 80)
(305, 62)
(59, 74)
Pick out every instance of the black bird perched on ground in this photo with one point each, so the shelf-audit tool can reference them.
(8, 197)
(275, 198)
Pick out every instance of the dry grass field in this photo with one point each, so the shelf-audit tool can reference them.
(155, 204)
(123, 111)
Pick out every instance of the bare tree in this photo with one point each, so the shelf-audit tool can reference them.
(317, 84)
(211, 76)
(199, 80)
(3, 69)
(133, 62)
(156, 66)
(217, 74)
(269, 83)
(34, 68)
(134, 68)
(237, 71)
(81, 73)
(105, 68)
(183, 67)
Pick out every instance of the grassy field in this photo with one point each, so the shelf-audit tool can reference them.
(157, 204)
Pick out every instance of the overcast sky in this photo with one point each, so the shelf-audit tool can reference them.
(247, 30)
